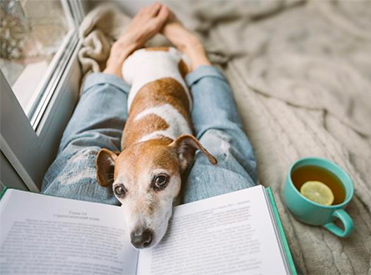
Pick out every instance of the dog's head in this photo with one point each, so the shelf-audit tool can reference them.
(146, 179)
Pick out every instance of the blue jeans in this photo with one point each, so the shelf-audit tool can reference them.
(100, 116)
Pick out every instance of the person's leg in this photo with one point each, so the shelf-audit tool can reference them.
(100, 115)
(216, 122)
(218, 127)
(96, 123)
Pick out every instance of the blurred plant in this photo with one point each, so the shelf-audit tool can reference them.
(13, 29)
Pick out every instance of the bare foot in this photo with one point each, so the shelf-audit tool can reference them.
(148, 22)
(185, 41)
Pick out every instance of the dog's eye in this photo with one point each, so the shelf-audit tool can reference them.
(120, 190)
(159, 182)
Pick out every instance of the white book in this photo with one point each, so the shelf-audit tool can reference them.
(235, 233)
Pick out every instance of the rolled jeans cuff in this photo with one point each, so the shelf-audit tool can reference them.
(104, 79)
(201, 72)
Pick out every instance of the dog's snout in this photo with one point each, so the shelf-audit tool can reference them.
(141, 238)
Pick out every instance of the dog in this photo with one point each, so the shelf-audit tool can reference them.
(157, 144)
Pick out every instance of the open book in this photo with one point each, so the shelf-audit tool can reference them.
(235, 233)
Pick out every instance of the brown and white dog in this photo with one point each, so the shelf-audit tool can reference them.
(157, 145)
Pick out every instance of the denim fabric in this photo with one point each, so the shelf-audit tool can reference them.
(218, 127)
(100, 116)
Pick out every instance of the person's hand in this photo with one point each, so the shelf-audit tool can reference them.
(148, 22)
(185, 41)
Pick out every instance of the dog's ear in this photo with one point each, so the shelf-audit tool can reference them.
(105, 164)
(186, 146)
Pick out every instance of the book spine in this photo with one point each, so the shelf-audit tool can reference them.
(282, 232)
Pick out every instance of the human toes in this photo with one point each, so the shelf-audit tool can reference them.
(154, 9)
(162, 15)
(151, 10)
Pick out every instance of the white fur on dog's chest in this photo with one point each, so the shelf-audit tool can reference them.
(144, 66)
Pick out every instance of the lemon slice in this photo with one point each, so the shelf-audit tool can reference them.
(318, 192)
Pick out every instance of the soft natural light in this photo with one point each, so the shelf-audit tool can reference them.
(31, 34)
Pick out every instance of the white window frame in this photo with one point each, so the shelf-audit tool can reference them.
(29, 144)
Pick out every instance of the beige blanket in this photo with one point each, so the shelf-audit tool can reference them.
(300, 72)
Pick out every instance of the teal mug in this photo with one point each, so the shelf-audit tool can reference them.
(313, 213)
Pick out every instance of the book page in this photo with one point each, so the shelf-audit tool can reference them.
(49, 235)
(228, 234)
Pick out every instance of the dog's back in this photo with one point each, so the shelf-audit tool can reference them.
(159, 101)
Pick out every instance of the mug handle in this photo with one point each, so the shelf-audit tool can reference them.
(345, 219)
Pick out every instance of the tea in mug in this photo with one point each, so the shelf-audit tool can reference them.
(304, 174)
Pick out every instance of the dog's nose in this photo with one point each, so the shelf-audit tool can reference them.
(141, 238)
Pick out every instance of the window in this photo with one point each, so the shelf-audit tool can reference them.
(34, 38)
(39, 82)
